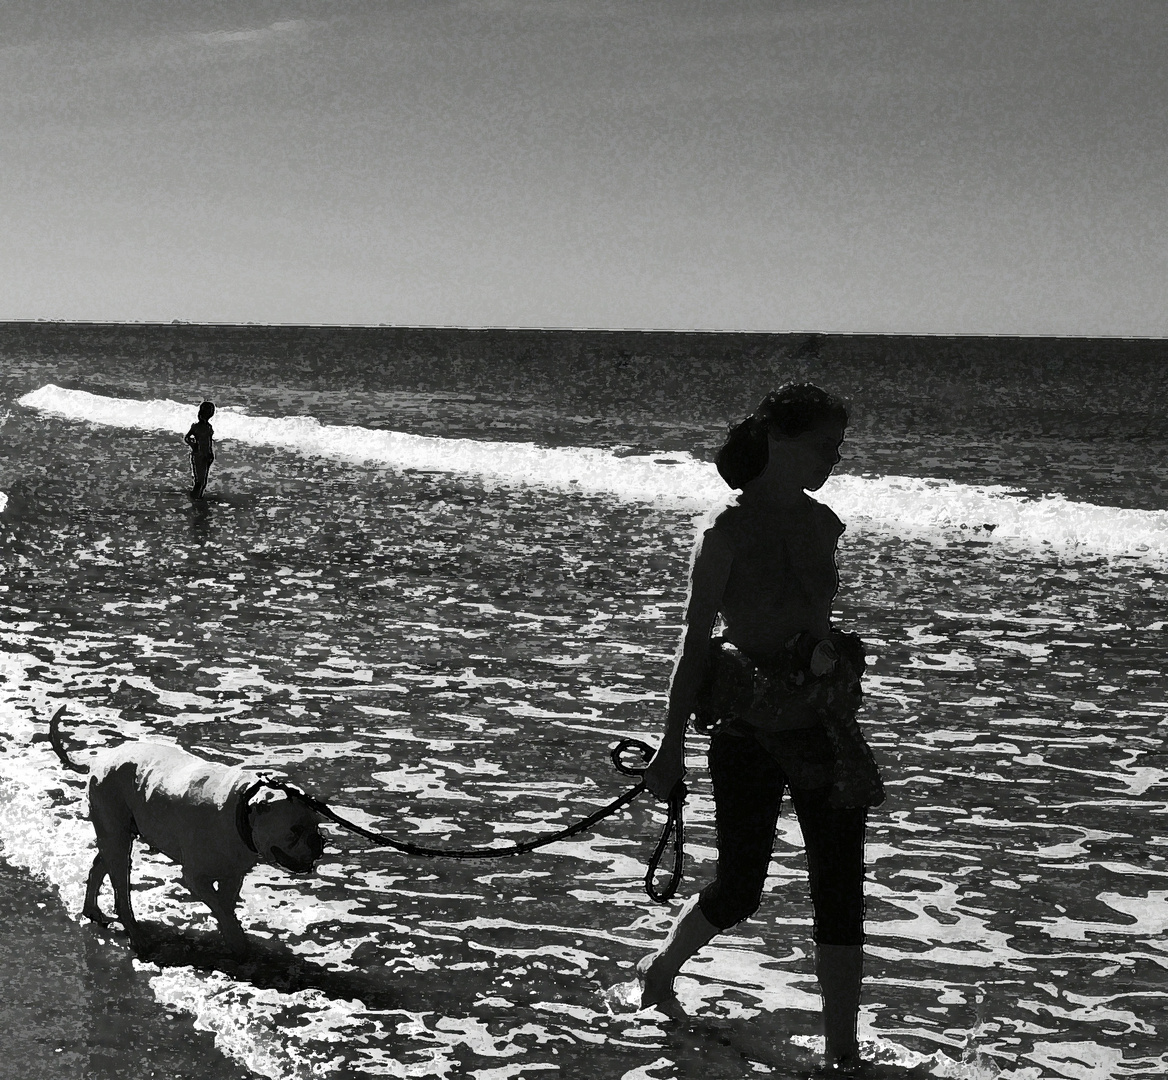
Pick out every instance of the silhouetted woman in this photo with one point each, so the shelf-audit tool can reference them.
(778, 692)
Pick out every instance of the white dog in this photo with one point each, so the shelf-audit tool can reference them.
(216, 822)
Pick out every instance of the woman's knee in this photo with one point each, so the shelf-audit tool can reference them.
(725, 907)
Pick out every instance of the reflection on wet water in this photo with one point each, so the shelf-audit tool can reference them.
(449, 663)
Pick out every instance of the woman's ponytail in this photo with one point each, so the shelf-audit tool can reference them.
(745, 452)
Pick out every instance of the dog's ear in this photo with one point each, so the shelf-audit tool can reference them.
(268, 798)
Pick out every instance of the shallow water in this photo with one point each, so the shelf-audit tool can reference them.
(449, 660)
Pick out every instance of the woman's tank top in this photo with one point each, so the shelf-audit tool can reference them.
(783, 578)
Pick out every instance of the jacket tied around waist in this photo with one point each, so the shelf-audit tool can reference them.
(759, 699)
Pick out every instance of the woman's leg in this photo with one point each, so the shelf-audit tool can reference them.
(840, 970)
(835, 862)
(690, 931)
(748, 790)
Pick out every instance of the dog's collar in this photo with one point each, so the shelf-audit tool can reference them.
(242, 816)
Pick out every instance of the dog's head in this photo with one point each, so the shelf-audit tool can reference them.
(285, 831)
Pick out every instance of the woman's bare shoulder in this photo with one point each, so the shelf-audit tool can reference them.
(731, 523)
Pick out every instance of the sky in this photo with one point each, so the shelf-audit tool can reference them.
(864, 166)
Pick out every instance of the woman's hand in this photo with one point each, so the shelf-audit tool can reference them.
(665, 770)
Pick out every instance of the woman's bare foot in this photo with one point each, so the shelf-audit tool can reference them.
(656, 972)
(656, 984)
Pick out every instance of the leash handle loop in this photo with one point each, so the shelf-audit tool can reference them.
(620, 749)
(673, 832)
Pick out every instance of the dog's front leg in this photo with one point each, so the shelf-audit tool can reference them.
(222, 903)
(229, 887)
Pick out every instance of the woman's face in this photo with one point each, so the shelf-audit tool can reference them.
(807, 459)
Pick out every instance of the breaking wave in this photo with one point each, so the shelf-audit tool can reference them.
(902, 505)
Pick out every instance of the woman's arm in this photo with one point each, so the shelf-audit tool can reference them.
(708, 574)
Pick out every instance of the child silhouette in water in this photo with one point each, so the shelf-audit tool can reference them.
(199, 440)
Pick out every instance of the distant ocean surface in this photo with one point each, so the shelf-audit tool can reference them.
(441, 572)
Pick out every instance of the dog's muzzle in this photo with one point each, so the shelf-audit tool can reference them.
(285, 861)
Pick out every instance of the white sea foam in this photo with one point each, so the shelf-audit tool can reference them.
(581, 469)
(906, 506)
(3, 501)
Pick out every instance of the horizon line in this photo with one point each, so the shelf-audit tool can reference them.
(179, 323)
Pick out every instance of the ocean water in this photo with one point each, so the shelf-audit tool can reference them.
(439, 575)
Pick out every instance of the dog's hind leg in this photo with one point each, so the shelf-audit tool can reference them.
(97, 876)
(115, 853)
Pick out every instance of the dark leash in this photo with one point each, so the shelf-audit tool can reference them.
(672, 833)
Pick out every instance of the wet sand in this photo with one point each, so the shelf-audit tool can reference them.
(74, 1006)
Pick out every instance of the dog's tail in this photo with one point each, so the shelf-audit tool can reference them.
(55, 739)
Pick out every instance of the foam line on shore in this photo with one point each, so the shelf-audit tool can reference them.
(906, 506)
